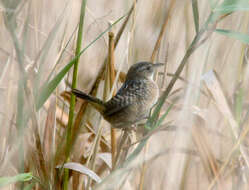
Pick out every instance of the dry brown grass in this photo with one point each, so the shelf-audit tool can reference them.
(203, 141)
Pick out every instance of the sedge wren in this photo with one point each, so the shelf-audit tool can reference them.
(133, 100)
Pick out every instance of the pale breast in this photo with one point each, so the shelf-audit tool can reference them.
(151, 95)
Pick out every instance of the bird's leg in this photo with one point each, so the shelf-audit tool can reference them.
(122, 142)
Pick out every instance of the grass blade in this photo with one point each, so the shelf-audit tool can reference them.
(136, 152)
(82, 169)
(195, 14)
(74, 82)
(244, 38)
(161, 119)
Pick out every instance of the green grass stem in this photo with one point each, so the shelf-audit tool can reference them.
(74, 82)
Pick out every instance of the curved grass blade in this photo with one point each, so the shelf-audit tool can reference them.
(244, 38)
(82, 169)
(47, 88)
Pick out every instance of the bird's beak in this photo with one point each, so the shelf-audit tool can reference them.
(158, 64)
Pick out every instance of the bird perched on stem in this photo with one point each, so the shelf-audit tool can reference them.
(133, 100)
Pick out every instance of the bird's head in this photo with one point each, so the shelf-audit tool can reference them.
(142, 70)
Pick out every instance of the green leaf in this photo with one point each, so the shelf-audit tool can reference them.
(18, 178)
(195, 14)
(244, 38)
(229, 6)
(48, 87)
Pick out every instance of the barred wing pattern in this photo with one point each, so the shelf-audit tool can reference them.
(127, 95)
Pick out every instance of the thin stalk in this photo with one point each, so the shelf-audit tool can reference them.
(20, 125)
(121, 144)
(74, 83)
(163, 29)
(112, 79)
(131, 35)
(121, 30)
(94, 153)
(144, 168)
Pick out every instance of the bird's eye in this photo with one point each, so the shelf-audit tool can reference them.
(148, 68)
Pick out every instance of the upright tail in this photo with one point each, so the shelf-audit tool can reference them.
(95, 102)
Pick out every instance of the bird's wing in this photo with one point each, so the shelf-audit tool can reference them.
(127, 95)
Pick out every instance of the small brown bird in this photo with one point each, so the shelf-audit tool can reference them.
(134, 99)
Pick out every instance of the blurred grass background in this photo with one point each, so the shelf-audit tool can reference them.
(201, 144)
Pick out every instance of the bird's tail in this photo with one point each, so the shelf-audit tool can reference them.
(95, 102)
